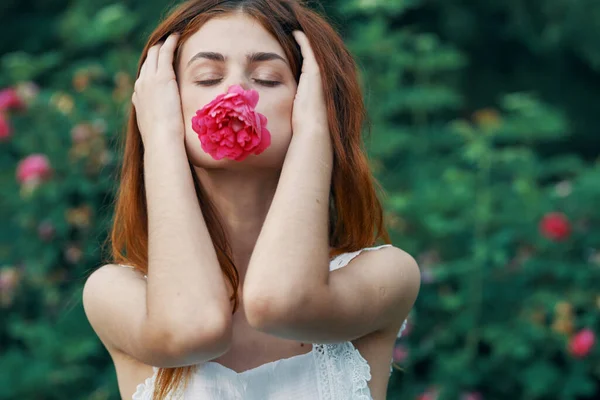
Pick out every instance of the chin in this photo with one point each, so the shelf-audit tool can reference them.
(272, 158)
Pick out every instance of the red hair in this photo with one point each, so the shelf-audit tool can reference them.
(356, 214)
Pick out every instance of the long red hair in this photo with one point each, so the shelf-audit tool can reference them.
(356, 214)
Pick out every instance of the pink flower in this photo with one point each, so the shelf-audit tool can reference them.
(5, 129)
(430, 394)
(9, 280)
(35, 167)
(9, 277)
(46, 231)
(555, 226)
(471, 396)
(27, 91)
(229, 126)
(582, 343)
(73, 254)
(9, 98)
(400, 354)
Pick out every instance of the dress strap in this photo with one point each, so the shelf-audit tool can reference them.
(129, 266)
(343, 259)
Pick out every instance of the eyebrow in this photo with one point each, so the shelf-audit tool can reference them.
(251, 58)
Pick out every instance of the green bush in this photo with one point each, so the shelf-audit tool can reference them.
(483, 133)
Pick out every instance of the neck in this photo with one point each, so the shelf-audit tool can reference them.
(242, 200)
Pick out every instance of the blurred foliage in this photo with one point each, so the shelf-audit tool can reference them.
(483, 134)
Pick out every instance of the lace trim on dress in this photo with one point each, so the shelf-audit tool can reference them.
(145, 389)
(336, 361)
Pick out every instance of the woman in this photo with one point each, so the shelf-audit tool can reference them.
(236, 288)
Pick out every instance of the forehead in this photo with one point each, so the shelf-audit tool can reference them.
(233, 35)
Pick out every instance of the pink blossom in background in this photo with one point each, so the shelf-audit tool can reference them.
(34, 167)
(229, 126)
(430, 394)
(581, 343)
(46, 230)
(400, 354)
(5, 129)
(407, 328)
(555, 226)
(9, 278)
(73, 254)
(10, 99)
(27, 91)
(471, 396)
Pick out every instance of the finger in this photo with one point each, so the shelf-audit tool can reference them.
(152, 59)
(309, 64)
(166, 53)
(143, 68)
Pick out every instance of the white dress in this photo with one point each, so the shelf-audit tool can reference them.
(328, 372)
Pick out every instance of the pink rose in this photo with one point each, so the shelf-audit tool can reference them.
(229, 126)
(34, 167)
(582, 343)
(9, 98)
(5, 129)
(555, 226)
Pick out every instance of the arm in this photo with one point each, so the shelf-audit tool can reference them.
(114, 301)
(186, 292)
(288, 290)
(179, 315)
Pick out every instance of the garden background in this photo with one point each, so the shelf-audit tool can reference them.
(484, 135)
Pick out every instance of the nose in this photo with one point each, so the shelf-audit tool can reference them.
(245, 85)
(238, 78)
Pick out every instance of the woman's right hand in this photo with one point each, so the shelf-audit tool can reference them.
(156, 95)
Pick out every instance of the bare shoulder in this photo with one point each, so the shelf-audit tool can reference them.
(112, 302)
(391, 259)
(397, 276)
(115, 303)
(112, 288)
(373, 292)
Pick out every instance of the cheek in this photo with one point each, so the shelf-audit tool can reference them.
(278, 111)
(191, 101)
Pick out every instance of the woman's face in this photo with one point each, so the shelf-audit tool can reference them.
(202, 77)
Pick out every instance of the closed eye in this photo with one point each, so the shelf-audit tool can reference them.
(259, 81)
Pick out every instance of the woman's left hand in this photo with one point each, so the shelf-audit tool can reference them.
(309, 115)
